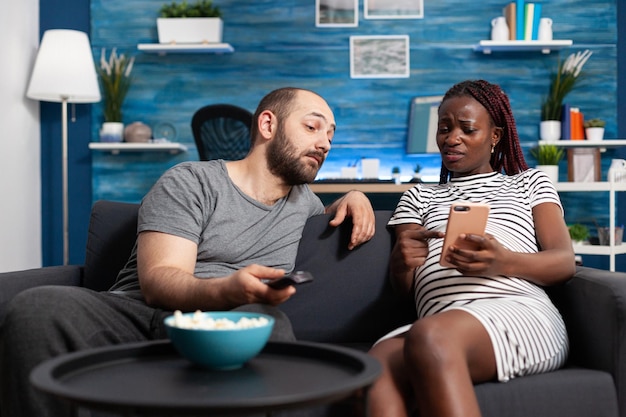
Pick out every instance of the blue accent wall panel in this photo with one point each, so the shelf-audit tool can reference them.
(277, 44)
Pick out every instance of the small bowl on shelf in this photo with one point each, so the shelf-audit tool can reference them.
(219, 340)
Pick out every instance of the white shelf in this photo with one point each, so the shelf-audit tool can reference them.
(545, 47)
(186, 48)
(600, 250)
(589, 186)
(116, 148)
(602, 144)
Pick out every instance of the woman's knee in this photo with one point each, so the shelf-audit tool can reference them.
(430, 342)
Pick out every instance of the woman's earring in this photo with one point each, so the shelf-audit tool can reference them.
(493, 146)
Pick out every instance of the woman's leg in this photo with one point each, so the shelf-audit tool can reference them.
(445, 355)
(388, 396)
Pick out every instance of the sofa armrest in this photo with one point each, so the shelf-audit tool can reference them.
(593, 305)
(11, 283)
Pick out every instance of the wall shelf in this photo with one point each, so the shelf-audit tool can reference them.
(116, 148)
(545, 47)
(186, 48)
(601, 144)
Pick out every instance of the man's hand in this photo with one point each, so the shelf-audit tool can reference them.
(354, 204)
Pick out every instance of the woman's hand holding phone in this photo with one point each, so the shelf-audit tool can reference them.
(465, 218)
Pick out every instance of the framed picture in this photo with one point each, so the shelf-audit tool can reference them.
(583, 165)
(379, 56)
(336, 13)
(393, 9)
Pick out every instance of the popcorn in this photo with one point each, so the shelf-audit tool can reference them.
(199, 321)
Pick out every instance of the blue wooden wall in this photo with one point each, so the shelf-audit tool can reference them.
(277, 44)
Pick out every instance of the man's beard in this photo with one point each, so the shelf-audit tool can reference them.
(283, 161)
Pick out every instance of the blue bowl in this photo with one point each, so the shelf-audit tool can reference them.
(220, 348)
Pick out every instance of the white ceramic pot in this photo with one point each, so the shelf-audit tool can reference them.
(189, 29)
(552, 171)
(112, 132)
(550, 130)
(594, 133)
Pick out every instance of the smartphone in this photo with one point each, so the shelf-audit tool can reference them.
(293, 278)
(464, 218)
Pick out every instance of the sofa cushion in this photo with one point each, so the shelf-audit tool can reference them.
(337, 306)
(112, 235)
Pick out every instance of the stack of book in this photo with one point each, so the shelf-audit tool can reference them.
(523, 20)
(572, 123)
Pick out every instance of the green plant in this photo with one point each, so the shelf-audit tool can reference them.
(395, 170)
(417, 168)
(115, 81)
(563, 81)
(578, 232)
(547, 154)
(595, 123)
(202, 8)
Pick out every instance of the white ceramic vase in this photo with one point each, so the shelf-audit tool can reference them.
(594, 133)
(552, 171)
(550, 130)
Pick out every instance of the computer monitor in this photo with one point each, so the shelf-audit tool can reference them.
(422, 133)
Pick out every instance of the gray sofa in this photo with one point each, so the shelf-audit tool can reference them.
(351, 303)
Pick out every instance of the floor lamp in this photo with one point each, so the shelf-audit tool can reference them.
(64, 72)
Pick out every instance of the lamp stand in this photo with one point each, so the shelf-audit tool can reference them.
(66, 233)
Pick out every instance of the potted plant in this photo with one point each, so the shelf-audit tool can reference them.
(562, 83)
(200, 22)
(395, 174)
(594, 129)
(548, 157)
(579, 233)
(417, 177)
(115, 80)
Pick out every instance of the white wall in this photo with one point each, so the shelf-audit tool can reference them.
(20, 173)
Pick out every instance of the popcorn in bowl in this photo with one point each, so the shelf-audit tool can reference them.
(200, 321)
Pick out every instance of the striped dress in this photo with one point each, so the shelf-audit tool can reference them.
(526, 330)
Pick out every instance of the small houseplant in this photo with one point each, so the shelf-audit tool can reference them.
(199, 22)
(594, 129)
(548, 157)
(578, 232)
(563, 81)
(115, 79)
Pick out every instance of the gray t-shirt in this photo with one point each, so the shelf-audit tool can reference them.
(198, 201)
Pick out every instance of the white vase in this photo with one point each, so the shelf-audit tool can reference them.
(552, 171)
(112, 132)
(189, 29)
(550, 130)
(594, 133)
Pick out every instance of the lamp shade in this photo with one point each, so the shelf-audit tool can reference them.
(64, 69)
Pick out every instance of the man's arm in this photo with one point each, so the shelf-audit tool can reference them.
(166, 264)
(354, 204)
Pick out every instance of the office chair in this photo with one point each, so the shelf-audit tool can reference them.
(221, 131)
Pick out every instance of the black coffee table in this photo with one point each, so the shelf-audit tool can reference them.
(152, 378)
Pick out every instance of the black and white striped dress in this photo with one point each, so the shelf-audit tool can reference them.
(527, 331)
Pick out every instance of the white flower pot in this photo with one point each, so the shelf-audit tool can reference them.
(594, 133)
(112, 132)
(550, 130)
(189, 29)
(552, 171)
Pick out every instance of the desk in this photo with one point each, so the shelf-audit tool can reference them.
(151, 377)
(366, 187)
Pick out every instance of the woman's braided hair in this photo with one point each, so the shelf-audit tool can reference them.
(507, 154)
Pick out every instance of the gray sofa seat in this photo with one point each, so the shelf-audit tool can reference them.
(351, 303)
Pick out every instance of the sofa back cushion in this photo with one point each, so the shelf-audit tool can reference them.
(350, 299)
(112, 235)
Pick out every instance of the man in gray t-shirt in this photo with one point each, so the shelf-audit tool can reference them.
(208, 233)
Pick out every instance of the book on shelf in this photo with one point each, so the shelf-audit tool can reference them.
(519, 21)
(576, 124)
(566, 131)
(532, 14)
(536, 19)
(510, 15)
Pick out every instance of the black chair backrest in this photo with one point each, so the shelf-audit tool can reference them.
(222, 131)
(112, 235)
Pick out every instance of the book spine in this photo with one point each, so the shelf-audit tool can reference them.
(566, 131)
(519, 24)
(536, 19)
(511, 17)
(529, 11)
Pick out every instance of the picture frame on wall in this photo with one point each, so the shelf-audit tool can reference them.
(336, 13)
(393, 9)
(379, 56)
(583, 165)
